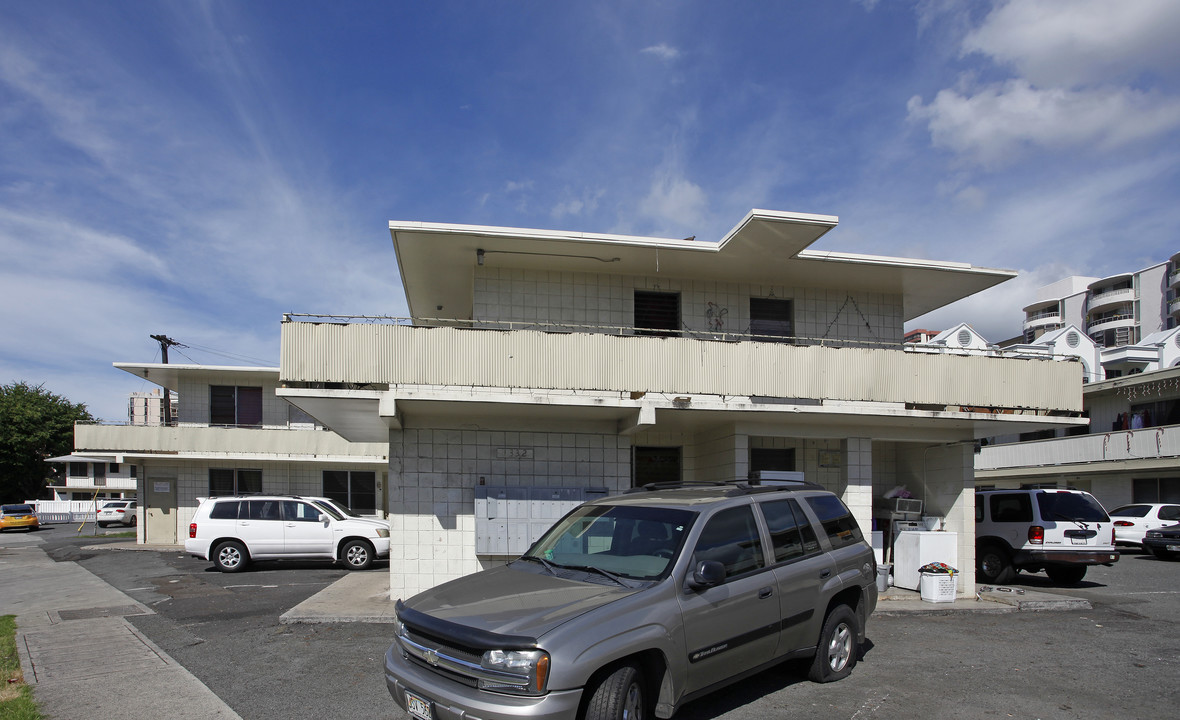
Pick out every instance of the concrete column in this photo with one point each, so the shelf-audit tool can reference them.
(857, 476)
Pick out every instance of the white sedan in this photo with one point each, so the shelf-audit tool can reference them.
(1131, 522)
(122, 512)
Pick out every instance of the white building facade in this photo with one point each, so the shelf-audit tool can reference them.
(541, 367)
(1114, 311)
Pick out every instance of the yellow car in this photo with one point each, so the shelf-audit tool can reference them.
(18, 516)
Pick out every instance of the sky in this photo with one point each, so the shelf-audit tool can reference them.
(197, 169)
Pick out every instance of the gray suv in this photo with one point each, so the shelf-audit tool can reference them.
(636, 604)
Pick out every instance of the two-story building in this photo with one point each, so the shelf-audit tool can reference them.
(540, 367)
(231, 434)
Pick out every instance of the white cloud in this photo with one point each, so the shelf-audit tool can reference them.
(993, 125)
(663, 51)
(1081, 42)
(674, 203)
(586, 204)
(1086, 76)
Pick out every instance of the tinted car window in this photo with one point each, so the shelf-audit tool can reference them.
(1170, 512)
(835, 519)
(1070, 506)
(225, 510)
(17, 510)
(731, 538)
(791, 534)
(1131, 511)
(264, 509)
(1015, 507)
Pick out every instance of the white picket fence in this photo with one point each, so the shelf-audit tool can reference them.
(67, 511)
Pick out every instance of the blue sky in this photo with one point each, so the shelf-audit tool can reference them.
(199, 168)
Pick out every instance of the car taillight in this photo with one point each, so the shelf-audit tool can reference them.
(1123, 523)
(1036, 535)
(120, 510)
(1112, 536)
(192, 530)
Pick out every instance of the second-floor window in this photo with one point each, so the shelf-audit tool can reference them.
(657, 313)
(771, 320)
(232, 405)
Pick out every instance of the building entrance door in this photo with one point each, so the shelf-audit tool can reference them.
(160, 508)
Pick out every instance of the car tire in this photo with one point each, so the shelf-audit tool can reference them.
(836, 652)
(1066, 574)
(102, 525)
(619, 696)
(134, 521)
(993, 566)
(357, 555)
(230, 556)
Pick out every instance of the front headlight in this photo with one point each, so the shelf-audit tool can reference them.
(524, 671)
(382, 533)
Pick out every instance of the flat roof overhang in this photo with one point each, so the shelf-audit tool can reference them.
(167, 375)
(368, 416)
(437, 261)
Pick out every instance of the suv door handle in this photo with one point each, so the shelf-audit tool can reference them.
(765, 593)
(825, 574)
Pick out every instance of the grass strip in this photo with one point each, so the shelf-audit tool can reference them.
(16, 698)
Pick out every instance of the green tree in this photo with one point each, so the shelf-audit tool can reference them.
(35, 424)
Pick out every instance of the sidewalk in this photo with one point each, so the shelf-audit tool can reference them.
(79, 654)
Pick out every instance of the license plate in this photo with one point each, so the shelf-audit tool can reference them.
(418, 707)
(1078, 541)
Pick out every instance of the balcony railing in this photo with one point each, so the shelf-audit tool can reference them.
(1111, 297)
(1110, 321)
(1112, 446)
(376, 352)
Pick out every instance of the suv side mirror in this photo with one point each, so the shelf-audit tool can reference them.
(707, 574)
(323, 517)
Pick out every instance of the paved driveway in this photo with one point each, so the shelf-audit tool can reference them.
(1120, 659)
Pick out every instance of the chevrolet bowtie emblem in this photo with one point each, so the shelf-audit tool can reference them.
(432, 658)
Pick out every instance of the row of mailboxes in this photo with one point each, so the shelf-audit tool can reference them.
(510, 519)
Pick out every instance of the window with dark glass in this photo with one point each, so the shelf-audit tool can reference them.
(731, 538)
(354, 489)
(835, 519)
(772, 459)
(655, 465)
(227, 481)
(1014, 507)
(236, 406)
(657, 313)
(791, 535)
(79, 469)
(771, 320)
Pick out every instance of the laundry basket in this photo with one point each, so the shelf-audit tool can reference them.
(937, 587)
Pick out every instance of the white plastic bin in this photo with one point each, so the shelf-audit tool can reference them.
(938, 587)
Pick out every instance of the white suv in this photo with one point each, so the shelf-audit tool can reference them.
(232, 531)
(1059, 531)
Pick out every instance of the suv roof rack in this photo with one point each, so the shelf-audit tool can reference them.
(738, 487)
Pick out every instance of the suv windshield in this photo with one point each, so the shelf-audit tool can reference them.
(629, 541)
(1070, 506)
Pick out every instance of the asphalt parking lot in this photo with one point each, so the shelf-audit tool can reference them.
(1120, 659)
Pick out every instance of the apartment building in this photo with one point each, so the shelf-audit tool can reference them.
(540, 367)
(1114, 311)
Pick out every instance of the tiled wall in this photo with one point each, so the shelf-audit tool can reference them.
(433, 475)
(586, 299)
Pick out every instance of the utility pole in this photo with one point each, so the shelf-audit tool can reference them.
(165, 343)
